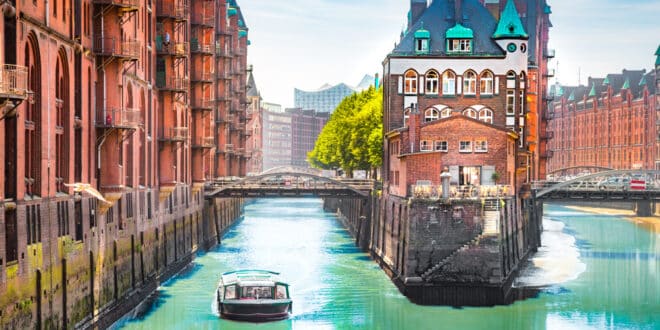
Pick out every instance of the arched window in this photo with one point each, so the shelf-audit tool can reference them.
(521, 92)
(431, 114)
(469, 112)
(406, 116)
(486, 83)
(469, 83)
(486, 115)
(32, 142)
(432, 79)
(448, 83)
(411, 82)
(446, 113)
(61, 123)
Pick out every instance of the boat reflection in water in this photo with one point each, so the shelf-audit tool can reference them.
(253, 295)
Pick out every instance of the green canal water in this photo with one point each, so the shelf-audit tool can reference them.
(594, 272)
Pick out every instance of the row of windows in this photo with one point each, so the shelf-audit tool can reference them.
(464, 146)
(485, 81)
(432, 114)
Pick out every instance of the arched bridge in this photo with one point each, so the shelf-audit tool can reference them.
(611, 185)
(289, 182)
(574, 171)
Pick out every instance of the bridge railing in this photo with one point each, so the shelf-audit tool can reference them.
(460, 192)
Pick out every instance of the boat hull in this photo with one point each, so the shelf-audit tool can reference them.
(256, 310)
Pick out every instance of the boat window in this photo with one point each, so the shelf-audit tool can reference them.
(281, 292)
(256, 292)
(230, 292)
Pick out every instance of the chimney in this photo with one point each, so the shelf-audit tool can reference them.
(458, 11)
(413, 128)
(417, 8)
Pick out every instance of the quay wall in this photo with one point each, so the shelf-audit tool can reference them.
(453, 252)
(91, 264)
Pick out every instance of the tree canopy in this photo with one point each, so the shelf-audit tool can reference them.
(352, 139)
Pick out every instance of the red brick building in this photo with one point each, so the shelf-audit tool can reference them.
(142, 100)
(486, 65)
(254, 146)
(611, 122)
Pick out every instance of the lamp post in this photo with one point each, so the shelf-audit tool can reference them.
(445, 177)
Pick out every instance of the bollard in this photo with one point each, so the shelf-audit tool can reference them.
(445, 177)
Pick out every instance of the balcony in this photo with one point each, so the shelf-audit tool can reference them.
(199, 76)
(203, 105)
(113, 47)
(13, 82)
(167, 9)
(201, 48)
(175, 134)
(204, 20)
(172, 84)
(224, 119)
(220, 52)
(124, 5)
(118, 118)
(207, 142)
(549, 53)
(177, 49)
(550, 73)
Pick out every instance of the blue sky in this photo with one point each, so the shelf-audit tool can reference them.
(306, 43)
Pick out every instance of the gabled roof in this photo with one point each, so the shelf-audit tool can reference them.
(439, 17)
(460, 116)
(510, 26)
(252, 90)
(657, 53)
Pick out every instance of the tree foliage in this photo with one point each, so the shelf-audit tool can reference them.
(352, 139)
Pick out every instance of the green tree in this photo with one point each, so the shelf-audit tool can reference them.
(352, 139)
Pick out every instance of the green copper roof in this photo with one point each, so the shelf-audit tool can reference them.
(510, 26)
(249, 42)
(592, 93)
(240, 23)
(422, 33)
(606, 81)
(231, 11)
(572, 96)
(642, 82)
(657, 52)
(626, 85)
(547, 10)
(560, 91)
(242, 33)
(459, 32)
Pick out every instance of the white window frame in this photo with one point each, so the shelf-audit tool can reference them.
(510, 102)
(481, 145)
(448, 83)
(459, 45)
(406, 116)
(425, 145)
(445, 113)
(486, 83)
(471, 113)
(442, 146)
(522, 102)
(431, 114)
(521, 133)
(486, 115)
(465, 146)
(432, 79)
(469, 83)
(410, 82)
(422, 45)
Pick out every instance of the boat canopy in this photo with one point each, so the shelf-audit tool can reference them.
(251, 277)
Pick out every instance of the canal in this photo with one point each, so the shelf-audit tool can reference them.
(594, 272)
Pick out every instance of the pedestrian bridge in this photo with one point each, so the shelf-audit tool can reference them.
(288, 182)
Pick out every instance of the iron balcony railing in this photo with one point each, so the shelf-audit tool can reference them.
(118, 118)
(13, 81)
(172, 49)
(111, 46)
(175, 134)
(229, 148)
(203, 76)
(203, 48)
(169, 9)
(173, 84)
(120, 3)
(205, 142)
(203, 104)
(204, 20)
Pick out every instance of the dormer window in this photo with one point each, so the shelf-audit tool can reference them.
(422, 40)
(459, 40)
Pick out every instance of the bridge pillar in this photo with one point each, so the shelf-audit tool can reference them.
(644, 208)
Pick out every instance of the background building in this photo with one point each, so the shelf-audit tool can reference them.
(611, 122)
(327, 97)
(276, 133)
(254, 146)
(306, 125)
(141, 100)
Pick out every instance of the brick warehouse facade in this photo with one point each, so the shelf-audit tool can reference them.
(142, 100)
(462, 90)
(610, 123)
